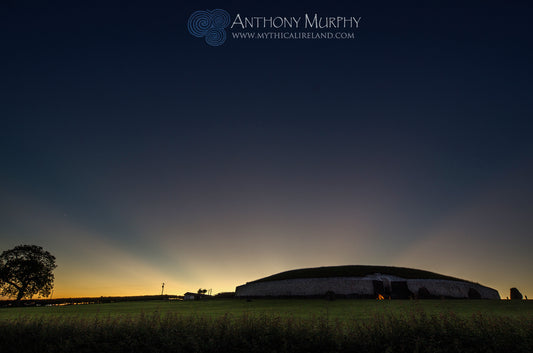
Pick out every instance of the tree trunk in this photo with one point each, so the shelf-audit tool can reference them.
(20, 295)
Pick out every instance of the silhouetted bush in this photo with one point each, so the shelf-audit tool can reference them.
(330, 295)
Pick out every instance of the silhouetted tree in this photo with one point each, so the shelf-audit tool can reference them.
(202, 291)
(26, 270)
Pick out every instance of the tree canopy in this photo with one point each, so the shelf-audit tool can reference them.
(26, 270)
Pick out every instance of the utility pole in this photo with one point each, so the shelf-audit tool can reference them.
(162, 288)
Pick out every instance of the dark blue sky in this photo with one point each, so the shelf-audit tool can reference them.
(121, 130)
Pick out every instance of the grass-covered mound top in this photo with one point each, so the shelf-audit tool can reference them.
(356, 271)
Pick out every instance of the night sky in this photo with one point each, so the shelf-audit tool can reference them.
(137, 154)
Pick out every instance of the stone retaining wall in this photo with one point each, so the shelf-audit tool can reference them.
(455, 289)
(359, 286)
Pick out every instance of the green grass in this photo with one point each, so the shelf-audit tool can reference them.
(355, 271)
(403, 326)
(299, 308)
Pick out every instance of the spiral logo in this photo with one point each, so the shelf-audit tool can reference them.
(210, 24)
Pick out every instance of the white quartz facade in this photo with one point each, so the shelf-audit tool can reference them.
(360, 286)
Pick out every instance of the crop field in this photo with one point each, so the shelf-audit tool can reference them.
(290, 325)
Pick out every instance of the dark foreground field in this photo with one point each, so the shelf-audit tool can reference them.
(272, 326)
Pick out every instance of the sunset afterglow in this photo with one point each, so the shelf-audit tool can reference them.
(137, 154)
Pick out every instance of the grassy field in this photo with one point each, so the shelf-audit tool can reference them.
(298, 308)
(272, 326)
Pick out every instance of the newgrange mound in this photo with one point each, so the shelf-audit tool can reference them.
(364, 282)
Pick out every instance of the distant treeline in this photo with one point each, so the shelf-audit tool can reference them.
(86, 300)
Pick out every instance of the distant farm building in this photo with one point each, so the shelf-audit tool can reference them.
(364, 282)
(195, 296)
(190, 296)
